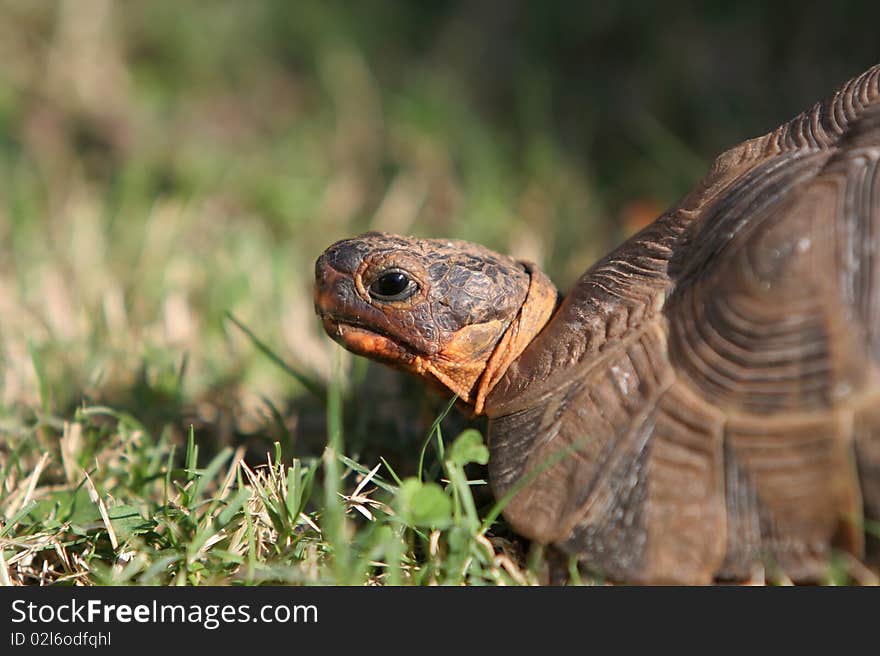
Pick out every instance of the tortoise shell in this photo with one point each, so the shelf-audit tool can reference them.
(706, 398)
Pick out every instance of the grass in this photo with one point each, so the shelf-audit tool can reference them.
(124, 512)
(170, 410)
(166, 188)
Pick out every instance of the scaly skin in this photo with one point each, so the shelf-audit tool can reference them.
(706, 399)
(470, 312)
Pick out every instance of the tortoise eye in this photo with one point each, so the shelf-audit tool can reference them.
(392, 286)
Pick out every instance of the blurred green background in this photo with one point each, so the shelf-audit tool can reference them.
(164, 162)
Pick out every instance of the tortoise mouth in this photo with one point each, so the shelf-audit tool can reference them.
(362, 339)
(337, 325)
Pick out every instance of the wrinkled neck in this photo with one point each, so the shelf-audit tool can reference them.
(540, 302)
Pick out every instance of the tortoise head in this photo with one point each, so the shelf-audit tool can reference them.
(452, 312)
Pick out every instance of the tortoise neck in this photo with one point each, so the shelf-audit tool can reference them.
(541, 301)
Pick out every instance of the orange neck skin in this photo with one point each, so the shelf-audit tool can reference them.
(469, 366)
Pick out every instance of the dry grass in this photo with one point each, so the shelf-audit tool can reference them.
(165, 164)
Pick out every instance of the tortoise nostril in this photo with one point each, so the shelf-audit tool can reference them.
(334, 289)
(345, 257)
(321, 272)
(325, 283)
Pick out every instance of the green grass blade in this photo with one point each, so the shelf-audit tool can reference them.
(435, 427)
(310, 383)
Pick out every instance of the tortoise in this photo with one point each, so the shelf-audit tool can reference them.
(705, 400)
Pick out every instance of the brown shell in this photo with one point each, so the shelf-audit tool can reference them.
(707, 397)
